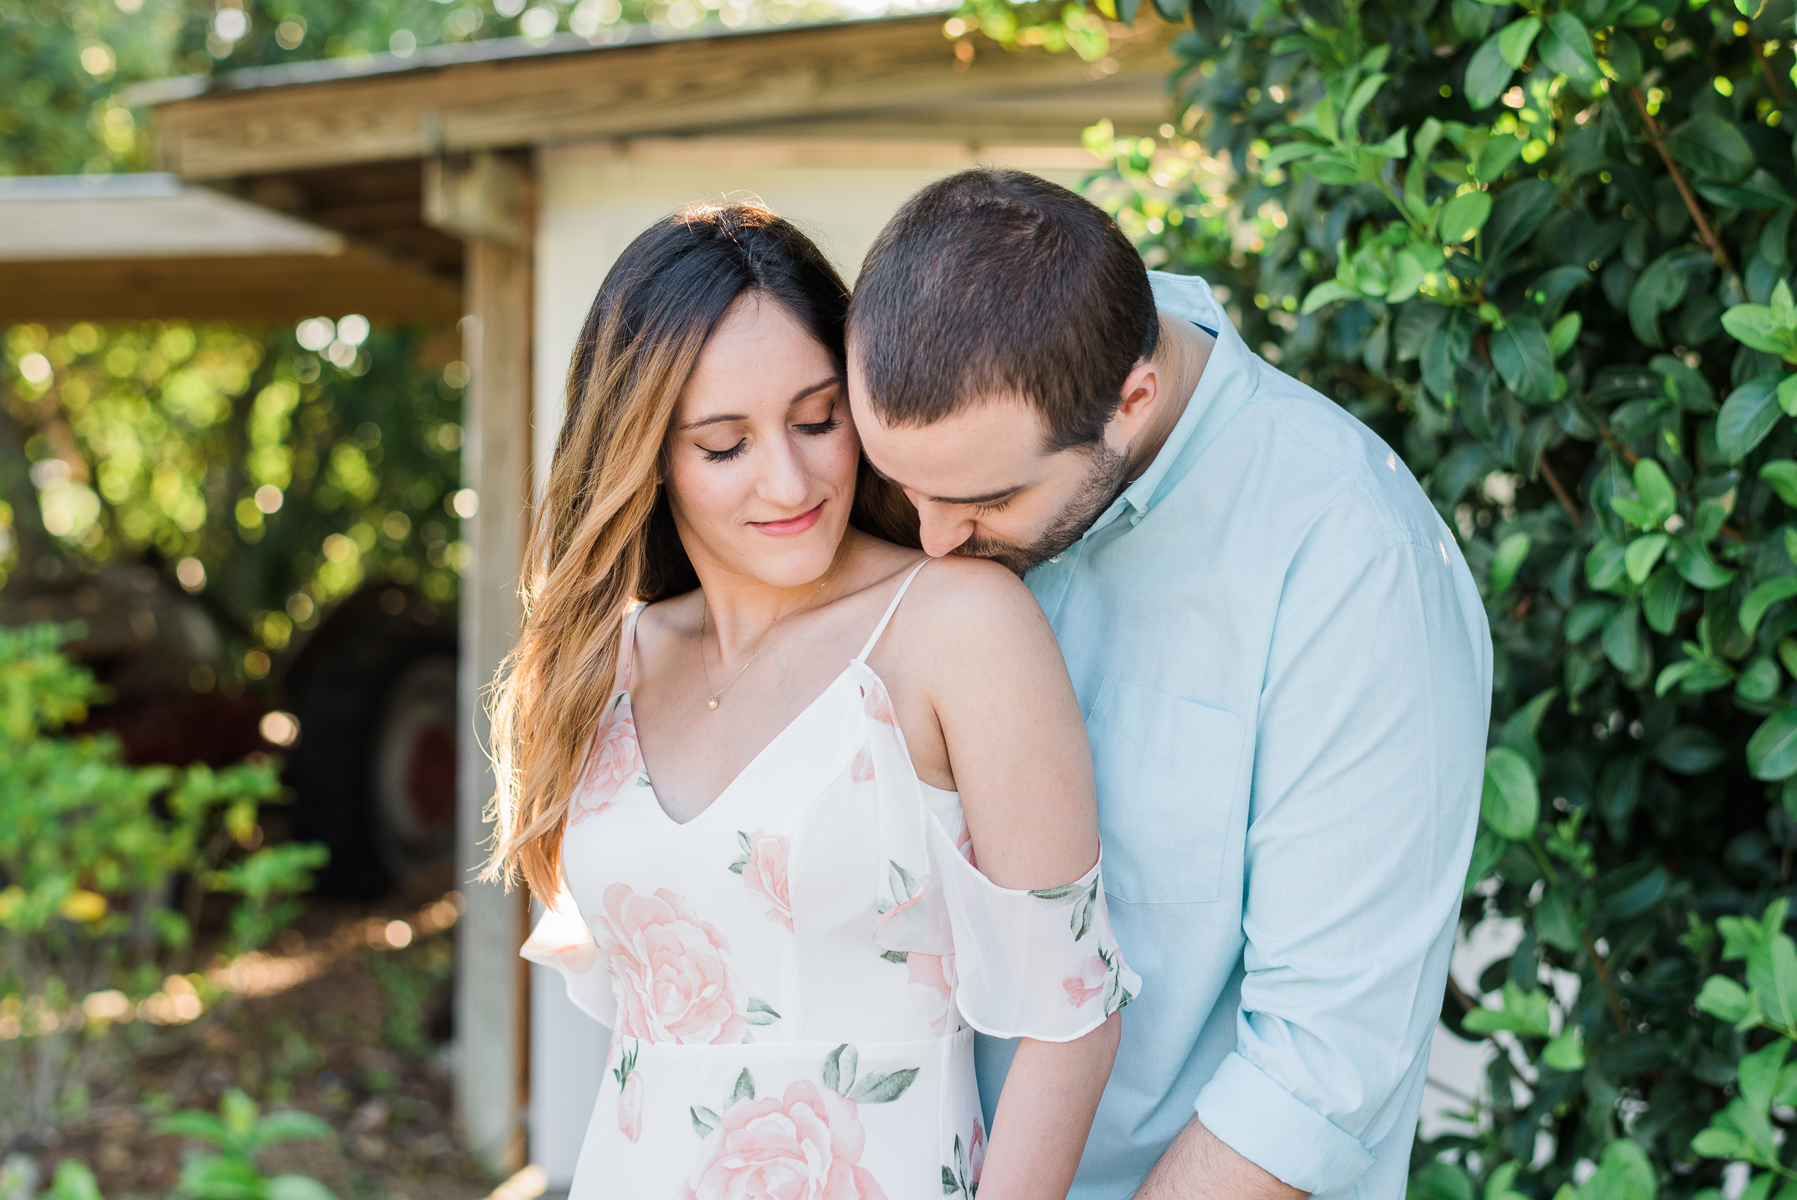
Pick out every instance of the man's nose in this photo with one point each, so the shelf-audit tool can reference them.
(939, 531)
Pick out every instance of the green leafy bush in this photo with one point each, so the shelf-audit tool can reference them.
(241, 1131)
(1545, 250)
(102, 868)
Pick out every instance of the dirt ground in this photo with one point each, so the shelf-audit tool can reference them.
(338, 1020)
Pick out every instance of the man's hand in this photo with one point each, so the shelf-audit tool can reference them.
(1198, 1166)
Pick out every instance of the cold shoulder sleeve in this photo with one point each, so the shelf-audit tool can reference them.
(562, 941)
(1041, 964)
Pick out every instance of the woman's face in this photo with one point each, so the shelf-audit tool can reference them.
(761, 456)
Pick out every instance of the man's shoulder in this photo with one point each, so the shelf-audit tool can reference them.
(1310, 459)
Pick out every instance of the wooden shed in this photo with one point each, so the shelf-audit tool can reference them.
(495, 183)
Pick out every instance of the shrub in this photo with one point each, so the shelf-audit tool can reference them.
(1545, 250)
(240, 1132)
(102, 866)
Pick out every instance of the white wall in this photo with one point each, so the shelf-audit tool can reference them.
(594, 200)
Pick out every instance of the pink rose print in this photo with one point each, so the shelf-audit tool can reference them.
(964, 843)
(805, 1145)
(615, 760)
(932, 982)
(675, 981)
(976, 1155)
(879, 706)
(630, 1106)
(764, 874)
(1089, 983)
(863, 768)
(563, 935)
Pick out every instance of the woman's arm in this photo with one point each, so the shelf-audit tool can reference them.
(1017, 748)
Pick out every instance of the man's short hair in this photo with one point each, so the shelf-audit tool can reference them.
(990, 282)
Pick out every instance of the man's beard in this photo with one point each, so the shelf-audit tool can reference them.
(1104, 482)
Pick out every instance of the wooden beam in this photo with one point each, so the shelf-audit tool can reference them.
(491, 980)
(903, 69)
(248, 289)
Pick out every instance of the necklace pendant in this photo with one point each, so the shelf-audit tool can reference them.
(712, 703)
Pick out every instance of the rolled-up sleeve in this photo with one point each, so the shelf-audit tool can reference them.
(1367, 771)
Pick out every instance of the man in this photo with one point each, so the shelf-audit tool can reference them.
(1283, 659)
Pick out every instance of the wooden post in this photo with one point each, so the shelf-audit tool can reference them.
(492, 982)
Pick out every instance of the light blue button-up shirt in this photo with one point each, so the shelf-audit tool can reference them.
(1286, 674)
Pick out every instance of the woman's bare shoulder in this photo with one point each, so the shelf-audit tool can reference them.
(969, 608)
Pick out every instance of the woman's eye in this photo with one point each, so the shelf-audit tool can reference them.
(718, 456)
(820, 427)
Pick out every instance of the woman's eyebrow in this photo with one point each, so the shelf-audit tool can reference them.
(720, 418)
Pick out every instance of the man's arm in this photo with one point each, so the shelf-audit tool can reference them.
(1365, 796)
(1197, 1166)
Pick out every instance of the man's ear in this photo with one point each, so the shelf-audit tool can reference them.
(1141, 393)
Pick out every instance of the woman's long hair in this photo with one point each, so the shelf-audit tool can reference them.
(603, 536)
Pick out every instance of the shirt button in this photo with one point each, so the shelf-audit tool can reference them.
(1055, 558)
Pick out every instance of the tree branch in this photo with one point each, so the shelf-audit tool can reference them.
(1705, 231)
(1772, 80)
(1560, 493)
(1603, 977)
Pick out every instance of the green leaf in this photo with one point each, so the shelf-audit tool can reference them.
(1747, 417)
(298, 1187)
(1655, 489)
(1699, 569)
(1463, 216)
(1782, 475)
(1772, 750)
(1507, 561)
(73, 1181)
(704, 1120)
(1723, 997)
(1624, 54)
(1711, 145)
(1516, 214)
(1511, 802)
(1363, 95)
(1718, 1143)
(1515, 39)
(1659, 289)
(191, 1123)
(1753, 325)
(1759, 681)
(1325, 293)
(1565, 1052)
(745, 1087)
(1623, 643)
(1643, 553)
(1662, 599)
(1764, 596)
(1487, 74)
(1787, 395)
(287, 1126)
(1689, 750)
(1566, 50)
(1772, 976)
(883, 1087)
(1523, 356)
(1564, 334)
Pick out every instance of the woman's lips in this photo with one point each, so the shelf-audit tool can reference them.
(791, 525)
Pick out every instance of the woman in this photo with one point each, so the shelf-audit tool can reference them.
(754, 805)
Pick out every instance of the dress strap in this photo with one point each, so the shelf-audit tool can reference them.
(627, 644)
(890, 609)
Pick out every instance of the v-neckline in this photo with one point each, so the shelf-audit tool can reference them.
(760, 754)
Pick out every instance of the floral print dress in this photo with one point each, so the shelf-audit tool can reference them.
(793, 977)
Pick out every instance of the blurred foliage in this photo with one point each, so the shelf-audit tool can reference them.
(1545, 249)
(408, 981)
(275, 477)
(105, 868)
(241, 1131)
(63, 60)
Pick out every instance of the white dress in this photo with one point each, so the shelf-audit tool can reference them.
(793, 977)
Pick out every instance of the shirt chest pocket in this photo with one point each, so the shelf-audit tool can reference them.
(1166, 772)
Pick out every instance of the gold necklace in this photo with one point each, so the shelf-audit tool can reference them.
(705, 614)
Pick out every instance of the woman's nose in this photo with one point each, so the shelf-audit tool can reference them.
(784, 480)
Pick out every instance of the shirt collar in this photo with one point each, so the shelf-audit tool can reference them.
(1227, 372)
